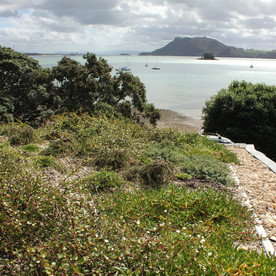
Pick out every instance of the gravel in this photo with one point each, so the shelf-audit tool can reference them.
(259, 183)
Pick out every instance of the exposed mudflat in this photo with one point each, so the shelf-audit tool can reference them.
(172, 119)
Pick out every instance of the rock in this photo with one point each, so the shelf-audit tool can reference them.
(273, 238)
(272, 223)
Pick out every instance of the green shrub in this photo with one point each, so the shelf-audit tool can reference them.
(244, 113)
(152, 174)
(166, 150)
(91, 225)
(21, 134)
(183, 176)
(104, 109)
(31, 148)
(207, 167)
(102, 181)
(66, 145)
(10, 159)
(42, 161)
(113, 158)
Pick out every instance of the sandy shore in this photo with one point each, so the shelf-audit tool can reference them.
(171, 119)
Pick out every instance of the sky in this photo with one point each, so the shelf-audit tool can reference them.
(100, 26)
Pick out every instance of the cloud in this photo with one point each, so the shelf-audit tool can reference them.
(8, 13)
(130, 24)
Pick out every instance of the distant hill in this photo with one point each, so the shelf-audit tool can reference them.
(197, 46)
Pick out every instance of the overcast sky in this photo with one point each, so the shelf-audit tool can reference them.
(142, 25)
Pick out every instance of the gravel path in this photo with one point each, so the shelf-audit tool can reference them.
(259, 183)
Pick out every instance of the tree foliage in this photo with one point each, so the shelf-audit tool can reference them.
(30, 93)
(24, 86)
(244, 113)
(208, 56)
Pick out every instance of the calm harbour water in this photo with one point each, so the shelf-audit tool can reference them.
(183, 84)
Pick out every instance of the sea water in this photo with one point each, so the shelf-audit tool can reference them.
(183, 84)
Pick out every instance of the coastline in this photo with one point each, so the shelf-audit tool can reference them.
(173, 119)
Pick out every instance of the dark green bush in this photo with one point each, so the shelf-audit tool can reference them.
(244, 113)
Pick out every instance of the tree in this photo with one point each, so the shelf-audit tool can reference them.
(86, 86)
(244, 113)
(25, 87)
(30, 93)
(208, 56)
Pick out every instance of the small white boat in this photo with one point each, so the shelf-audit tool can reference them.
(156, 67)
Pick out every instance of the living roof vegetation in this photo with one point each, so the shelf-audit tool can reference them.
(94, 195)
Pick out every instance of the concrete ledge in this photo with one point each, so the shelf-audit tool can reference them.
(259, 155)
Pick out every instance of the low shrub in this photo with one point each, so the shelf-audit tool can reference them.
(31, 148)
(183, 176)
(113, 158)
(166, 150)
(102, 181)
(41, 161)
(21, 134)
(10, 159)
(153, 174)
(207, 167)
(66, 145)
(100, 225)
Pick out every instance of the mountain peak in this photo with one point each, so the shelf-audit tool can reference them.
(197, 46)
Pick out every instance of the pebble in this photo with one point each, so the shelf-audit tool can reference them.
(259, 183)
(273, 238)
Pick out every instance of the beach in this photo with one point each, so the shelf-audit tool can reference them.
(173, 119)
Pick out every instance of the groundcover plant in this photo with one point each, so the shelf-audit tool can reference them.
(89, 195)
